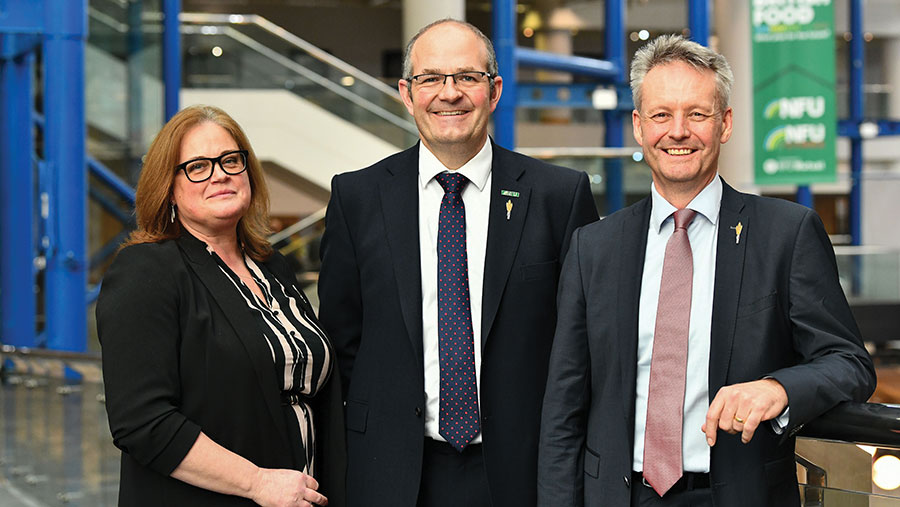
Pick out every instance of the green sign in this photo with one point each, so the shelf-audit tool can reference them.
(794, 119)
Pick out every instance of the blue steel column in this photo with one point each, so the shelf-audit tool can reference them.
(615, 53)
(856, 117)
(171, 55)
(504, 28)
(698, 21)
(18, 306)
(64, 140)
(805, 196)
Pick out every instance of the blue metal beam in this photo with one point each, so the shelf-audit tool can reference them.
(110, 207)
(64, 146)
(698, 21)
(850, 128)
(18, 304)
(591, 67)
(107, 251)
(171, 56)
(857, 62)
(110, 179)
(547, 95)
(614, 42)
(504, 32)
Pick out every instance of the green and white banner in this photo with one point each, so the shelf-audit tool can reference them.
(794, 118)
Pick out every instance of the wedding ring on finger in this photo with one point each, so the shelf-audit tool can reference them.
(738, 419)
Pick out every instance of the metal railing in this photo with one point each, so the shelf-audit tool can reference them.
(55, 444)
(253, 52)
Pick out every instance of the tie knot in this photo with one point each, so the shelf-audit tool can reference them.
(452, 183)
(683, 218)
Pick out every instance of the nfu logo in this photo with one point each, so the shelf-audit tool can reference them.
(802, 135)
(785, 12)
(795, 108)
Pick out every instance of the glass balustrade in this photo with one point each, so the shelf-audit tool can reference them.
(249, 52)
(55, 446)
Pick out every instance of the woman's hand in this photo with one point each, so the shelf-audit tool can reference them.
(285, 488)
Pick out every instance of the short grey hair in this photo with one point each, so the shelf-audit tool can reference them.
(488, 46)
(675, 48)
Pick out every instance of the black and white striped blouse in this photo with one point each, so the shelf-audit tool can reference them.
(301, 352)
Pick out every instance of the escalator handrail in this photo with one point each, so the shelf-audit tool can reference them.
(858, 423)
(287, 36)
(329, 85)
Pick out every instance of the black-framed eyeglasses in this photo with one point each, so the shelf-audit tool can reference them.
(465, 79)
(201, 168)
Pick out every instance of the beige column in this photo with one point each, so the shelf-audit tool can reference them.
(892, 79)
(418, 13)
(554, 39)
(732, 39)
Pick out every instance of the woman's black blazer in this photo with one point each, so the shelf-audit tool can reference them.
(182, 353)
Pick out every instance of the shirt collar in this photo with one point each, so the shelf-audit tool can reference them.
(706, 203)
(475, 170)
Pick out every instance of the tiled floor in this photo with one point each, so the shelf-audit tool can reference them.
(55, 447)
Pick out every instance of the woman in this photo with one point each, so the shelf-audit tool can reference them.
(215, 367)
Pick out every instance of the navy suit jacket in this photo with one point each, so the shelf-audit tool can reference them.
(778, 311)
(370, 292)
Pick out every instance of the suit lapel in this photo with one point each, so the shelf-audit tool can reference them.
(728, 277)
(400, 205)
(631, 269)
(245, 327)
(503, 235)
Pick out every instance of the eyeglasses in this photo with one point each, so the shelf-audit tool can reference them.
(466, 79)
(201, 168)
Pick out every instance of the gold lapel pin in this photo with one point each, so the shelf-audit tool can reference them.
(737, 232)
(508, 208)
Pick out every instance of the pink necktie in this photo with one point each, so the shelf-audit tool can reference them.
(665, 402)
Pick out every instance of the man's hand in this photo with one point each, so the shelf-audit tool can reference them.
(740, 408)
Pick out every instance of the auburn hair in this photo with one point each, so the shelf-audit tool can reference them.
(153, 197)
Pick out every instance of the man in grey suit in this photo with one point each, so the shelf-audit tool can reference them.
(415, 323)
(699, 328)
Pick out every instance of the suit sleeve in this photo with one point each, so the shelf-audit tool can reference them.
(138, 327)
(833, 366)
(566, 399)
(582, 212)
(340, 296)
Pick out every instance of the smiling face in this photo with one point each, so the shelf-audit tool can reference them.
(214, 206)
(680, 128)
(452, 122)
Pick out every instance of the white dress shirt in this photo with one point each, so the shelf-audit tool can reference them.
(702, 235)
(476, 197)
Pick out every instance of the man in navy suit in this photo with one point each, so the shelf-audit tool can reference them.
(767, 340)
(381, 297)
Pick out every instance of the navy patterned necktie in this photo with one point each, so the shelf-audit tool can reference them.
(459, 421)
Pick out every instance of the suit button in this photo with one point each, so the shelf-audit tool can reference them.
(627, 481)
(418, 412)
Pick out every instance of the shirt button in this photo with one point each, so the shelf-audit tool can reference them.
(418, 412)
(627, 481)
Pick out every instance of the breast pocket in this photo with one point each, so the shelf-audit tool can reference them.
(357, 414)
(758, 305)
(591, 463)
(540, 270)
